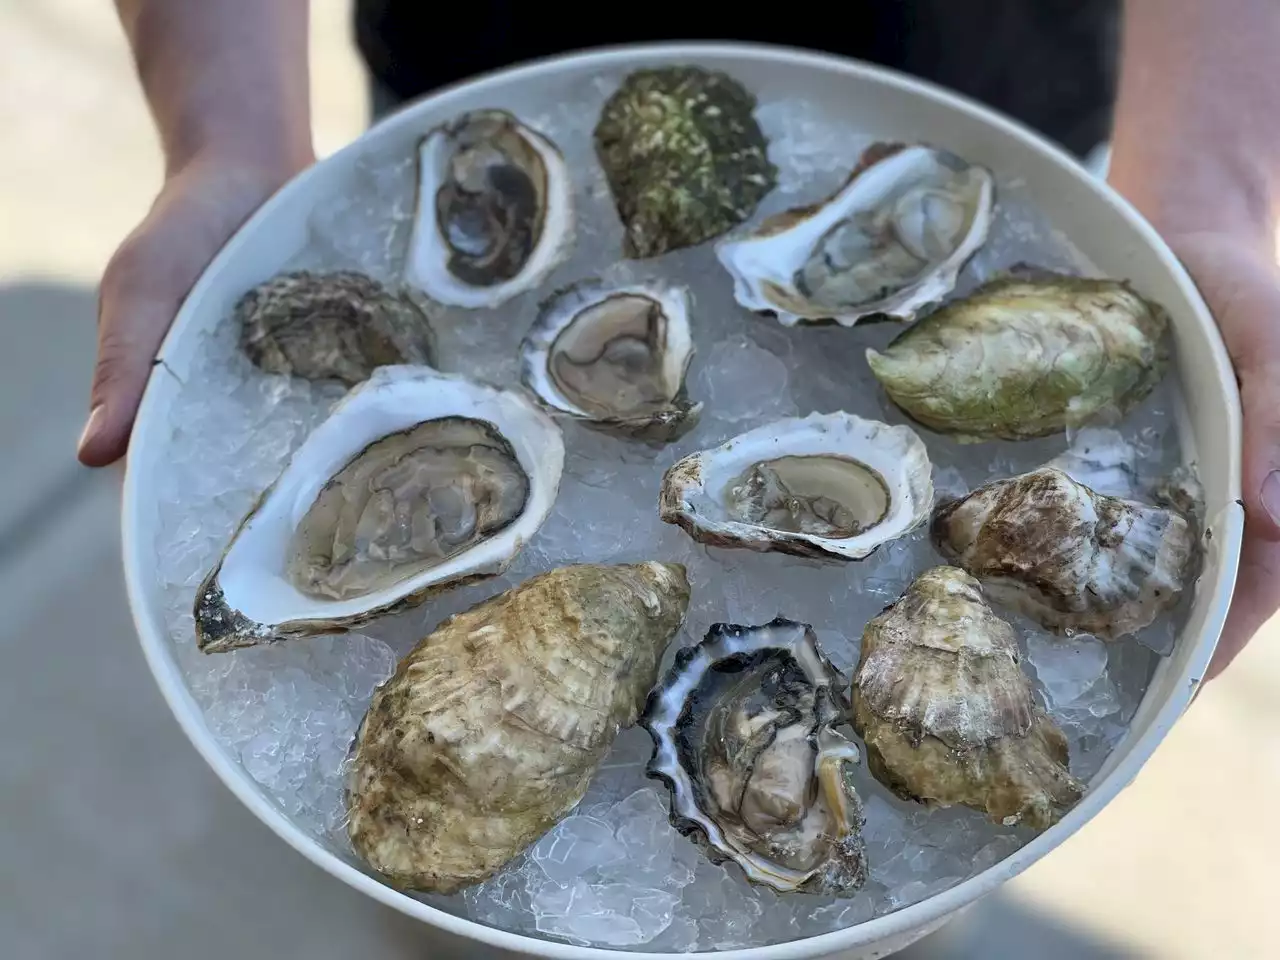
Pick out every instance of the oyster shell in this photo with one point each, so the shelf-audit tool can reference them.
(492, 727)
(948, 716)
(684, 157)
(616, 357)
(743, 726)
(417, 482)
(494, 212)
(1071, 559)
(890, 241)
(339, 325)
(1025, 356)
(829, 485)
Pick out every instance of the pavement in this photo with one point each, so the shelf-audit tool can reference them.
(118, 842)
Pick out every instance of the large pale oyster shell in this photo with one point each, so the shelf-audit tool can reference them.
(889, 242)
(494, 212)
(948, 716)
(1071, 559)
(828, 485)
(418, 481)
(744, 736)
(492, 727)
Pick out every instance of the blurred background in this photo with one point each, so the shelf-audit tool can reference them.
(118, 842)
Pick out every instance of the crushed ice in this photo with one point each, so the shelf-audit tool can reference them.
(615, 873)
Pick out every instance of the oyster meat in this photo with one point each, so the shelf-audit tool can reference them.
(743, 726)
(339, 325)
(1071, 559)
(1026, 355)
(889, 242)
(494, 213)
(829, 485)
(492, 727)
(684, 157)
(417, 482)
(615, 357)
(948, 716)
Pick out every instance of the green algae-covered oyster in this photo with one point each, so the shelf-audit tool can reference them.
(492, 726)
(684, 157)
(338, 325)
(947, 714)
(1026, 355)
(1071, 559)
(743, 726)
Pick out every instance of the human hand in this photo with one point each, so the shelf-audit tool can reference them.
(1241, 284)
(200, 206)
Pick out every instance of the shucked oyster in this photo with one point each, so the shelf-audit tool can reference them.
(1071, 559)
(684, 157)
(948, 716)
(492, 726)
(417, 482)
(616, 357)
(1025, 356)
(827, 485)
(890, 241)
(494, 211)
(339, 325)
(743, 726)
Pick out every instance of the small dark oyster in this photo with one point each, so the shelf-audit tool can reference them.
(685, 159)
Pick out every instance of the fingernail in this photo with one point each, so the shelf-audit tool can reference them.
(1271, 496)
(91, 428)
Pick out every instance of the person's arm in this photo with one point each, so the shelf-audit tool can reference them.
(1196, 148)
(227, 82)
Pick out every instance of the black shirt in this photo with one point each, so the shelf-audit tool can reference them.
(1048, 63)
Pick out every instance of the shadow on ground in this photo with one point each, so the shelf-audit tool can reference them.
(117, 840)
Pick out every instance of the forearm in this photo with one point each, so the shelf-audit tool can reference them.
(224, 78)
(1196, 144)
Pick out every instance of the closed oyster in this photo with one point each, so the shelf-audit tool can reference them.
(494, 211)
(1026, 356)
(948, 716)
(890, 241)
(615, 357)
(339, 325)
(417, 482)
(492, 727)
(743, 726)
(829, 485)
(1071, 559)
(684, 157)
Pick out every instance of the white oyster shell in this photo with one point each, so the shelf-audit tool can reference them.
(879, 474)
(890, 242)
(511, 220)
(249, 598)
(615, 356)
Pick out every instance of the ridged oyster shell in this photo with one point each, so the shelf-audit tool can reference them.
(889, 242)
(402, 492)
(828, 485)
(494, 212)
(615, 356)
(948, 716)
(744, 736)
(1071, 559)
(492, 727)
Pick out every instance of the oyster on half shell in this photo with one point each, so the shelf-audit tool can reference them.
(947, 714)
(494, 211)
(889, 242)
(417, 482)
(829, 485)
(743, 726)
(615, 356)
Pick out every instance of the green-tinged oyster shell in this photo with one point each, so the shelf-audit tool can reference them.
(684, 157)
(1026, 355)
(948, 716)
